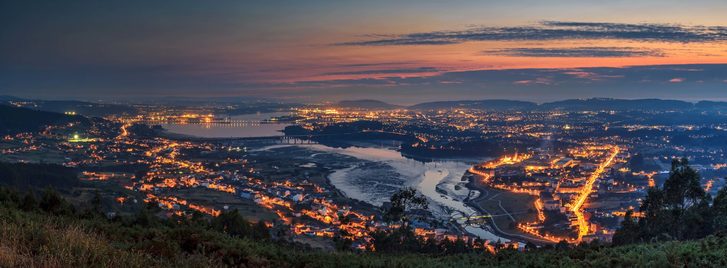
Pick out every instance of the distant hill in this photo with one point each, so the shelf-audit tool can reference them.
(366, 104)
(15, 119)
(617, 104)
(251, 107)
(85, 108)
(711, 105)
(10, 98)
(476, 104)
(79, 107)
(573, 105)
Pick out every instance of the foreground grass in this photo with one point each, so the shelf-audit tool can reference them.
(42, 242)
(35, 239)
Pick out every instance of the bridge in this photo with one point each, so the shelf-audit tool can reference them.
(213, 123)
(287, 139)
(475, 217)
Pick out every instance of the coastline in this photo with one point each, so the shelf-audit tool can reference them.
(440, 179)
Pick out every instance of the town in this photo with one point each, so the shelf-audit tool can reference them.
(555, 176)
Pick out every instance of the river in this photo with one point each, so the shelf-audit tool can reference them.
(385, 170)
(232, 130)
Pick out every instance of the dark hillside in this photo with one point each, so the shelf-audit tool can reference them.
(14, 119)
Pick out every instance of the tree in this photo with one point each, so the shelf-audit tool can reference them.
(145, 218)
(399, 210)
(52, 202)
(562, 245)
(681, 210)
(687, 205)
(652, 208)
(430, 246)
(233, 223)
(719, 208)
(341, 241)
(402, 202)
(260, 231)
(629, 231)
(683, 190)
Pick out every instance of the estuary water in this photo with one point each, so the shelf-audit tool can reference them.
(385, 170)
(239, 126)
(381, 172)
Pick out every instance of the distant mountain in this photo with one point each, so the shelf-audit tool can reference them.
(366, 104)
(711, 105)
(617, 104)
(595, 104)
(15, 119)
(476, 104)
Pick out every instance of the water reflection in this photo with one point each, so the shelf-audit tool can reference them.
(239, 126)
(386, 170)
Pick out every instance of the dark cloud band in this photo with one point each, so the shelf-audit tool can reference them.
(388, 71)
(576, 52)
(558, 30)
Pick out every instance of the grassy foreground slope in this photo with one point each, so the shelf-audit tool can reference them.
(40, 239)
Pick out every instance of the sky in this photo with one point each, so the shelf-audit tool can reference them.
(402, 52)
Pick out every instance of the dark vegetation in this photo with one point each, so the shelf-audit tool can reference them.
(15, 119)
(47, 232)
(336, 135)
(463, 144)
(32, 176)
(145, 131)
(471, 148)
(89, 109)
(680, 210)
(38, 227)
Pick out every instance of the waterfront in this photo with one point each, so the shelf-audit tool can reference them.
(238, 126)
(382, 171)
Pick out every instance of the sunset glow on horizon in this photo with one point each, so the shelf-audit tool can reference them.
(315, 50)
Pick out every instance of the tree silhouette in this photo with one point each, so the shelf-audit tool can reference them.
(681, 210)
(402, 202)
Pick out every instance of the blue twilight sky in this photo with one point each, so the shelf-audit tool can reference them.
(398, 51)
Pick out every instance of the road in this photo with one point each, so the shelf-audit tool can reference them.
(577, 208)
(475, 204)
